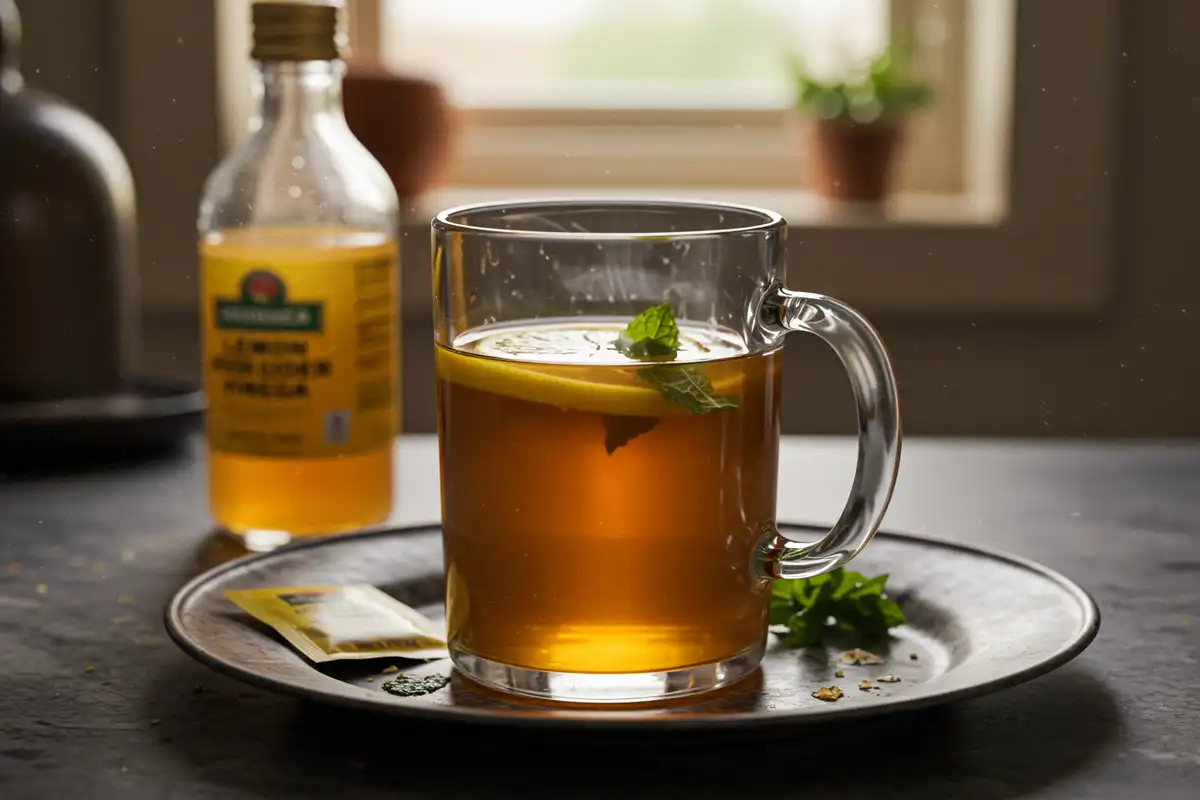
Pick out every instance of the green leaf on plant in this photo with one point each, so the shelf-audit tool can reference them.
(882, 90)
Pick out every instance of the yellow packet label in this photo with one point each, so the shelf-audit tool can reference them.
(331, 623)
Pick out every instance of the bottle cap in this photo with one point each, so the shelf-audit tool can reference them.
(295, 32)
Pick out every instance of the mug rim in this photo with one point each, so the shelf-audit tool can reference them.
(444, 220)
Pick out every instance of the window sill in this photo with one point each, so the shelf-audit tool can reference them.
(921, 255)
(801, 208)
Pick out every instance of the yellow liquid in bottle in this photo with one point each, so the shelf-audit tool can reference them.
(301, 371)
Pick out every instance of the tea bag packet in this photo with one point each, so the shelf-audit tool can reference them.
(333, 623)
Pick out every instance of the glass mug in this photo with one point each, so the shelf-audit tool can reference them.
(609, 503)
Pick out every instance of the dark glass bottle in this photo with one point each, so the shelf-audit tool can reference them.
(68, 280)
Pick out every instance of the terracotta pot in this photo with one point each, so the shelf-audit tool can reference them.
(852, 162)
(404, 121)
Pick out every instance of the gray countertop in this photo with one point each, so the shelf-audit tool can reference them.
(88, 560)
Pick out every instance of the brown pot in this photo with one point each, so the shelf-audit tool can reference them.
(404, 121)
(851, 162)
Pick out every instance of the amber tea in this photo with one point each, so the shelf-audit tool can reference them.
(608, 482)
(600, 512)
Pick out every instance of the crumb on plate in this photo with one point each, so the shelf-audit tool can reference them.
(830, 694)
(859, 657)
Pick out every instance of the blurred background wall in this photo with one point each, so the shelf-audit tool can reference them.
(1124, 365)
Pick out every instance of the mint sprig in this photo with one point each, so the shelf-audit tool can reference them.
(688, 387)
(653, 335)
(854, 603)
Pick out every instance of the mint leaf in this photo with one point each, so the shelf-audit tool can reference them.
(651, 335)
(867, 588)
(688, 387)
(855, 603)
(781, 602)
(619, 430)
(890, 613)
(806, 627)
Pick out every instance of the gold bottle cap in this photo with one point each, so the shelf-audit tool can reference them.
(295, 32)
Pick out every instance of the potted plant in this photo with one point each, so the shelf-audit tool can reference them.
(858, 125)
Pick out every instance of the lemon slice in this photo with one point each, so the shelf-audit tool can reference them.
(620, 393)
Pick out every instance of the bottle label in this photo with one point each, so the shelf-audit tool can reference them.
(300, 359)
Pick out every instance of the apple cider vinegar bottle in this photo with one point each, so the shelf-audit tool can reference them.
(299, 301)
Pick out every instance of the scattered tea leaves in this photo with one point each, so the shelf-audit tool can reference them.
(41, 588)
(859, 657)
(866, 686)
(889, 679)
(830, 694)
(407, 686)
(89, 670)
(388, 670)
(839, 674)
(912, 656)
(854, 603)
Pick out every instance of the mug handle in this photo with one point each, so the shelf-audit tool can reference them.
(867, 363)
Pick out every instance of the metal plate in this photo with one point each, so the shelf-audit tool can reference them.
(978, 621)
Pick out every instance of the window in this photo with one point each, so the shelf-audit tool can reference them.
(662, 93)
(627, 53)
(1006, 191)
